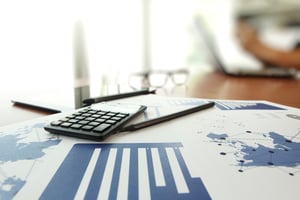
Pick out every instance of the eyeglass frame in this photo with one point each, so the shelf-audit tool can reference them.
(169, 75)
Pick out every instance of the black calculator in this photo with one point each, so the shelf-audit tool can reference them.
(97, 121)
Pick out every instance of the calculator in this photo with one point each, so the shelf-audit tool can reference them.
(97, 121)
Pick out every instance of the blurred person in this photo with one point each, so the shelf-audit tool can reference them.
(251, 42)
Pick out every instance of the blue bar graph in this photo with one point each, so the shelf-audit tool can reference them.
(67, 180)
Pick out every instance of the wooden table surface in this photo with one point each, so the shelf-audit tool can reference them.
(210, 84)
(216, 85)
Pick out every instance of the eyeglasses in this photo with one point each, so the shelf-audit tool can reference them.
(158, 78)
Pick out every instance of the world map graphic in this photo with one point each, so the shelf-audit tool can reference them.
(254, 149)
(25, 146)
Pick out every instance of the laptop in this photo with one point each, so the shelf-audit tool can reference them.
(241, 63)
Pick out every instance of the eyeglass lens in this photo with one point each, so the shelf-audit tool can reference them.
(158, 79)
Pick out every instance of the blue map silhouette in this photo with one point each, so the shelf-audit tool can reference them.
(13, 149)
(283, 152)
(246, 106)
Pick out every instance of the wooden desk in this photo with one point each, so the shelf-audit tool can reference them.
(208, 84)
(12, 114)
(216, 85)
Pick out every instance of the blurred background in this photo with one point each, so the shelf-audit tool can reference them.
(49, 44)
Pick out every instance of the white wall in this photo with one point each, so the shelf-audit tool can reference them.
(36, 38)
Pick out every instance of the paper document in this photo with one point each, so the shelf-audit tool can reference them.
(235, 150)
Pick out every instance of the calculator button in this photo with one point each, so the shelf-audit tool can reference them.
(66, 124)
(101, 113)
(121, 115)
(116, 118)
(92, 111)
(86, 114)
(87, 128)
(111, 114)
(94, 123)
(100, 120)
(70, 116)
(55, 123)
(96, 116)
(83, 122)
(105, 117)
(83, 111)
(64, 119)
(76, 126)
(79, 117)
(102, 127)
(90, 119)
(110, 121)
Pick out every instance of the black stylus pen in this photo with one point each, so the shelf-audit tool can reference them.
(165, 118)
(90, 101)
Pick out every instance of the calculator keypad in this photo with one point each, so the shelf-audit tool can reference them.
(90, 120)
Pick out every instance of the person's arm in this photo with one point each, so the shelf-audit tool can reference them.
(250, 41)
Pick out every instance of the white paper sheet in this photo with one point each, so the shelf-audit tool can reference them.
(235, 150)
